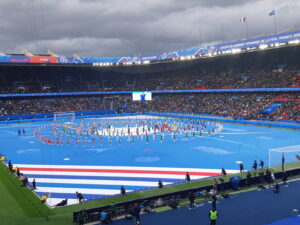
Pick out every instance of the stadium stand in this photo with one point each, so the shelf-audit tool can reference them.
(168, 81)
(237, 105)
(274, 68)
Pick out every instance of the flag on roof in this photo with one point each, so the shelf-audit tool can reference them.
(272, 13)
(243, 19)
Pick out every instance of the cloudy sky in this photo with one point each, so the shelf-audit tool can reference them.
(132, 27)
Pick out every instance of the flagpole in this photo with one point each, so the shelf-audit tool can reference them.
(246, 25)
(275, 25)
(221, 32)
(200, 35)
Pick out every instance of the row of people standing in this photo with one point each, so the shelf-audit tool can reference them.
(21, 176)
(254, 166)
(24, 179)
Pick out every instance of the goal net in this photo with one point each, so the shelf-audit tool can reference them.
(289, 156)
(64, 116)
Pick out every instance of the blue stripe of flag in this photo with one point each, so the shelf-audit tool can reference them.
(90, 186)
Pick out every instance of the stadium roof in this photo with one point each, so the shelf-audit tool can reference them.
(25, 52)
(289, 36)
(262, 35)
(294, 28)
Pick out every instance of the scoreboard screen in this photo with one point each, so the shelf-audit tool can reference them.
(142, 96)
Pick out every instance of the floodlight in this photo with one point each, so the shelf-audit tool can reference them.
(236, 50)
(294, 42)
(263, 46)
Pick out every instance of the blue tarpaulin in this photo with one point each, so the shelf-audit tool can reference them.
(271, 108)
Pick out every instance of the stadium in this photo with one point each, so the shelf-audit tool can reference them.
(153, 139)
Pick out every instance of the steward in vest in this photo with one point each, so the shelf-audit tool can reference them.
(43, 198)
(213, 215)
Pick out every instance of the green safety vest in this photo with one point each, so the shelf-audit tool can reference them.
(213, 215)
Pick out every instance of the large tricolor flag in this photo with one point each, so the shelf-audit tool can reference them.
(243, 19)
(96, 182)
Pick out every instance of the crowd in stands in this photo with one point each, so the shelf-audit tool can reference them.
(214, 80)
(290, 109)
(33, 106)
(235, 105)
(245, 105)
(176, 80)
(271, 69)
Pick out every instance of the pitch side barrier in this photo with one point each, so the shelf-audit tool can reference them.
(93, 214)
(290, 125)
(43, 117)
(231, 90)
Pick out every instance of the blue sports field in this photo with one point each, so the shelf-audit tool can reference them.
(97, 156)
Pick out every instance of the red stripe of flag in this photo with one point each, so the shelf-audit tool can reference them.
(119, 171)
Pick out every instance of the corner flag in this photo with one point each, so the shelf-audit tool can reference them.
(272, 13)
(282, 162)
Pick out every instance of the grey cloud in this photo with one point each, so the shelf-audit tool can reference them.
(119, 28)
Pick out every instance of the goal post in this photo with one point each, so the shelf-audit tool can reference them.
(67, 116)
(288, 156)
